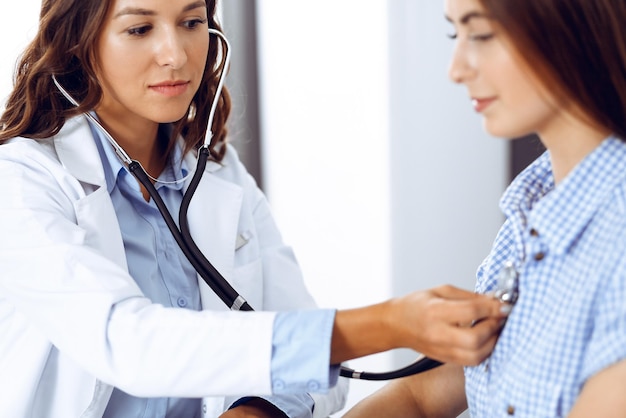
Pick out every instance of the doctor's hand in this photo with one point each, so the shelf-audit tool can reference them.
(445, 323)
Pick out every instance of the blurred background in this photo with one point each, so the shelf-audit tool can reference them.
(375, 164)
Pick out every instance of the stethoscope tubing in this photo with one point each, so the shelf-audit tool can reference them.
(422, 365)
(200, 263)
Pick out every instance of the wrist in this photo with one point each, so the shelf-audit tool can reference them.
(391, 324)
(363, 331)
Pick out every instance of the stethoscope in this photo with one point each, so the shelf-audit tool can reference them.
(185, 241)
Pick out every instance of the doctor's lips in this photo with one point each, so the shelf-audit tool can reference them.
(170, 88)
(481, 104)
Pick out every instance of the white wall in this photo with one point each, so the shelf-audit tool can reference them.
(18, 24)
(377, 168)
(324, 117)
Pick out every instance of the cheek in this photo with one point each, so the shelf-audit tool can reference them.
(199, 53)
(109, 56)
(120, 77)
(529, 103)
(520, 90)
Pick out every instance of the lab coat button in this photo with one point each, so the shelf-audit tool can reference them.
(182, 302)
(278, 385)
(313, 386)
(510, 410)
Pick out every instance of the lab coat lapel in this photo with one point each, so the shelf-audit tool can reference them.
(78, 153)
(213, 221)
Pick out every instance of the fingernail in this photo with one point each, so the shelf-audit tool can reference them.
(506, 308)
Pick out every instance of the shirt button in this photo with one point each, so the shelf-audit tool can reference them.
(510, 410)
(204, 408)
(182, 302)
(278, 385)
(313, 386)
(534, 233)
(539, 256)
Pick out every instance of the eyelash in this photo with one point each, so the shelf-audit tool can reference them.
(139, 31)
(190, 24)
(476, 38)
(195, 22)
(481, 38)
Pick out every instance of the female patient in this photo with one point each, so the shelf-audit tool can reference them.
(100, 313)
(558, 69)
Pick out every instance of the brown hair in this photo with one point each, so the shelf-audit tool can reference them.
(64, 46)
(577, 48)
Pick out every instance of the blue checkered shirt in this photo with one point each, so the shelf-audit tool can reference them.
(568, 244)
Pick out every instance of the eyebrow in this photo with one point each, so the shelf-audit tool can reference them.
(146, 12)
(469, 16)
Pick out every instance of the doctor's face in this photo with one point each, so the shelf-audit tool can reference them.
(502, 89)
(151, 56)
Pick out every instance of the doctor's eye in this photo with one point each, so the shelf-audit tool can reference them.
(139, 30)
(194, 23)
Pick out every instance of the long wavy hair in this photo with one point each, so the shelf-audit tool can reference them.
(577, 48)
(65, 46)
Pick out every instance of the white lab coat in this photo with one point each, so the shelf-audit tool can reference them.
(74, 323)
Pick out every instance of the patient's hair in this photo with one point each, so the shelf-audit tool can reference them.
(65, 46)
(577, 48)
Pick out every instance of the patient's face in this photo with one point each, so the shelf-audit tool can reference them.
(500, 85)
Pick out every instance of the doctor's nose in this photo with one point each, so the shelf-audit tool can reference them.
(170, 51)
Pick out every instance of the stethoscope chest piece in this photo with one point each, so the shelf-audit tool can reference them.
(507, 289)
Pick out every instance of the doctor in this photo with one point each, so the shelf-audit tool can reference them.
(100, 313)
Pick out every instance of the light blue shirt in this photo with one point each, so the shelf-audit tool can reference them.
(165, 276)
(569, 246)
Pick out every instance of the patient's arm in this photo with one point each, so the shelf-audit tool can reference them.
(603, 394)
(439, 392)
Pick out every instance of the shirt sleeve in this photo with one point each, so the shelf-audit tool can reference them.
(300, 361)
(301, 352)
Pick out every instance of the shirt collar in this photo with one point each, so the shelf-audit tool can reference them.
(172, 176)
(560, 213)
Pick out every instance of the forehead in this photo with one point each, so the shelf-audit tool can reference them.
(154, 6)
(461, 11)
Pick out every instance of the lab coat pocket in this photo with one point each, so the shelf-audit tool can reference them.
(248, 282)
